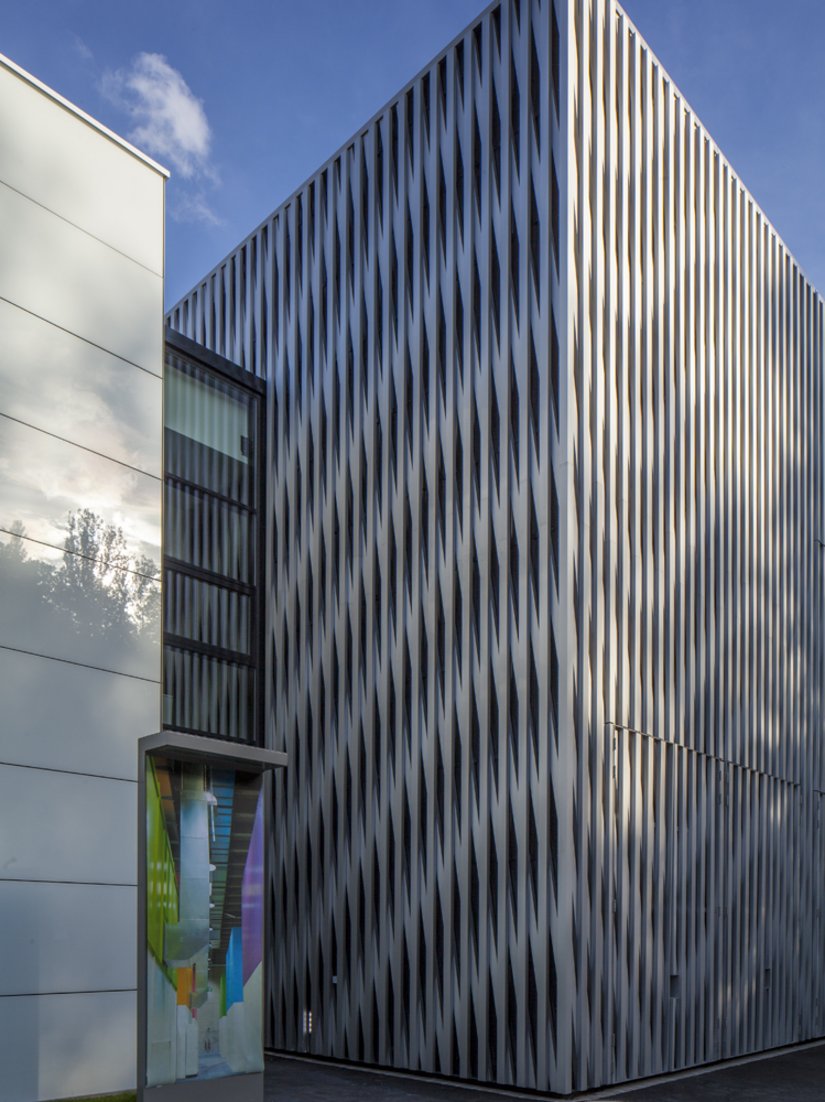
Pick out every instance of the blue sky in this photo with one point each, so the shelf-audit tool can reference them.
(244, 99)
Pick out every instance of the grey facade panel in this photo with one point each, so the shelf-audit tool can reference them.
(545, 626)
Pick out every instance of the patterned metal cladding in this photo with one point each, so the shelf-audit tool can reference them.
(545, 626)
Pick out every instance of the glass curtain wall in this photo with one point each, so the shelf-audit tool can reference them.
(212, 549)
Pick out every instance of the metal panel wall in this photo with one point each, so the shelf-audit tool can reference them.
(696, 350)
(545, 428)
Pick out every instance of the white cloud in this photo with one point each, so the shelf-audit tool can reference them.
(169, 120)
(193, 207)
(82, 49)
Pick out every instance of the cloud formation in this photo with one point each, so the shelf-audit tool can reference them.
(193, 207)
(82, 49)
(170, 123)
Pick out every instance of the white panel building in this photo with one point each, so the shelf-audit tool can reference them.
(81, 352)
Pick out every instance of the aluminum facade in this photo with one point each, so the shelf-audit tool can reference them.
(545, 626)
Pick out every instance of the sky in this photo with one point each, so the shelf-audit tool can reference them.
(243, 99)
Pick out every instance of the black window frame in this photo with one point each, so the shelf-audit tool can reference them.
(226, 371)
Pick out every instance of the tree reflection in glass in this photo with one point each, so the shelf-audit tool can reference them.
(97, 590)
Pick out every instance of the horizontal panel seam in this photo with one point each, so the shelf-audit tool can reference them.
(83, 665)
(79, 554)
(69, 772)
(48, 994)
(68, 883)
(81, 229)
(83, 447)
(80, 337)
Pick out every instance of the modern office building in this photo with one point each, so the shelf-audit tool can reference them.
(543, 577)
(493, 493)
(81, 477)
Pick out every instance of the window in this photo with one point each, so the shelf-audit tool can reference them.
(212, 545)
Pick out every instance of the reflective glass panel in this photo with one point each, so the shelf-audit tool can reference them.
(70, 498)
(77, 608)
(59, 272)
(207, 613)
(211, 548)
(208, 533)
(208, 696)
(53, 380)
(79, 705)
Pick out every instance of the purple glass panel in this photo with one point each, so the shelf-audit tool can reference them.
(252, 897)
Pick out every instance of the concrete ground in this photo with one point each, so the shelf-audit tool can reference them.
(793, 1077)
(797, 1076)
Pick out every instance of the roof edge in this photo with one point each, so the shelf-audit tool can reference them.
(13, 67)
(617, 10)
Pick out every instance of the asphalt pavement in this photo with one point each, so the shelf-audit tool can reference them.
(795, 1076)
